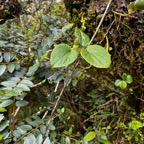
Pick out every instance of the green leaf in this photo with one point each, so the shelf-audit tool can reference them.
(15, 92)
(62, 55)
(90, 136)
(67, 27)
(129, 79)
(21, 103)
(11, 67)
(1, 117)
(6, 103)
(39, 139)
(47, 141)
(67, 140)
(51, 127)
(2, 69)
(33, 69)
(25, 127)
(16, 134)
(15, 79)
(82, 37)
(62, 110)
(104, 139)
(1, 136)
(85, 141)
(7, 56)
(77, 142)
(35, 123)
(23, 87)
(2, 109)
(9, 83)
(131, 6)
(74, 82)
(26, 140)
(124, 75)
(2, 43)
(117, 82)
(96, 56)
(123, 84)
(31, 139)
(43, 57)
(43, 129)
(3, 125)
(21, 131)
(27, 83)
(139, 4)
(134, 124)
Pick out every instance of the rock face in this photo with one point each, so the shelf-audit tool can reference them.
(9, 9)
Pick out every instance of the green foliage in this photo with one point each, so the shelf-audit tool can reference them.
(90, 136)
(82, 38)
(96, 56)
(63, 55)
(37, 56)
(134, 124)
(23, 51)
(133, 130)
(139, 4)
(126, 79)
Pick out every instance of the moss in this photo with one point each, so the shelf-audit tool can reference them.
(9, 10)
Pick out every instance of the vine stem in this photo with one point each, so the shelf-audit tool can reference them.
(108, 5)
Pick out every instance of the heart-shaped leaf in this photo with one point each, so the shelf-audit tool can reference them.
(96, 56)
(139, 4)
(63, 55)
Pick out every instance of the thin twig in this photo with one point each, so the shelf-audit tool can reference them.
(46, 112)
(59, 97)
(108, 5)
(16, 112)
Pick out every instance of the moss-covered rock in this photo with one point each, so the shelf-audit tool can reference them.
(124, 34)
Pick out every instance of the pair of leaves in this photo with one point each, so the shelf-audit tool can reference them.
(9, 67)
(63, 55)
(20, 130)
